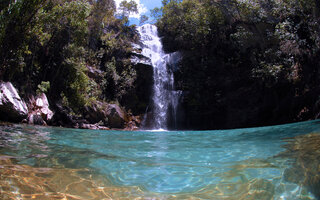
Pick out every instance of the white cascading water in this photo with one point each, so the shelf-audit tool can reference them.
(163, 94)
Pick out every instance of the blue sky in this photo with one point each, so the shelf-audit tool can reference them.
(150, 4)
(144, 7)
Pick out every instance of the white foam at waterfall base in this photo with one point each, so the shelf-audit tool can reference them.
(163, 89)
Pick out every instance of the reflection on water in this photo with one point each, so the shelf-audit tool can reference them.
(281, 162)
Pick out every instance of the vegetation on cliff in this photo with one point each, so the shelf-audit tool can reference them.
(245, 63)
(77, 52)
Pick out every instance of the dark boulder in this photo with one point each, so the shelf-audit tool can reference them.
(116, 116)
(62, 116)
(36, 120)
(96, 112)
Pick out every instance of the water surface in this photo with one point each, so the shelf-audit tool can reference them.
(278, 162)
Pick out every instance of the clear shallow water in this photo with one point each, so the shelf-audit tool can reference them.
(228, 164)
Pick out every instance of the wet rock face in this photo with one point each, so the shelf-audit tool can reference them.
(139, 97)
(12, 107)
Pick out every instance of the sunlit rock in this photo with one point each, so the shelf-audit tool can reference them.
(40, 112)
(43, 103)
(12, 107)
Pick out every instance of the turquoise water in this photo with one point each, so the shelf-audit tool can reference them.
(168, 162)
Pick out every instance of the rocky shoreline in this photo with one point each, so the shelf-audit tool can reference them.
(36, 110)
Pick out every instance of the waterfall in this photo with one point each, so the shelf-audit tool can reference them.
(164, 96)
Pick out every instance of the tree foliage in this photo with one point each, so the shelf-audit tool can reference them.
(16, 19)
(143, 19)
(75, 51)
(235, 50)
(126, 8)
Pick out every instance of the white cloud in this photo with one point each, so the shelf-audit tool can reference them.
(141, 9)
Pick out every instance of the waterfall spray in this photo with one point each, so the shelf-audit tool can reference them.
(164, 95)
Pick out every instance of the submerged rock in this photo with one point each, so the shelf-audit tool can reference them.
(57, 183)
(305, 154)
(12, 107)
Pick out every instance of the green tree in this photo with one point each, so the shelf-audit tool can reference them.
(143, 19)
(254, 45)
(126, 8)
(101, 10)
(75, 51)
(156, 13)
(16, 20)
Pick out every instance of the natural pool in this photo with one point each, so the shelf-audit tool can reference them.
(278, 162)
